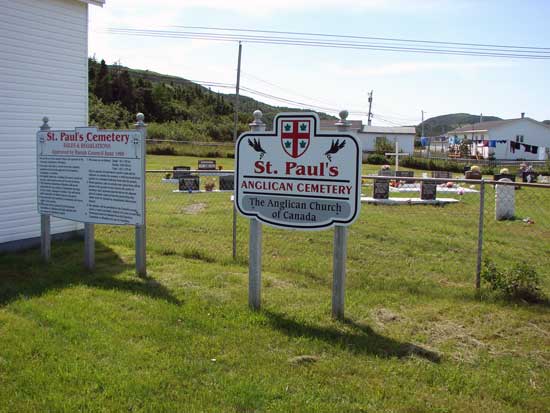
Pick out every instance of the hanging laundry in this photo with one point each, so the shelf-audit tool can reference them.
(502, 141)
(513, 147)
(527, 148)
(492, 144)
(534, 149)
(485, 143)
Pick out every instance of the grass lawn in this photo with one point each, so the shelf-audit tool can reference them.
(417, 337)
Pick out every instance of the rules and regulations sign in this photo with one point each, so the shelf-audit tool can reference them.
(298, 176)
(90, 175)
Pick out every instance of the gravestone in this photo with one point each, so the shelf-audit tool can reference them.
(207, 165)
(428, 190)
(190, 183)
(386, 172)
(505, 201)
(181, 171)
(227, 183)
(442, 174)
(406, 174)
(381, 189)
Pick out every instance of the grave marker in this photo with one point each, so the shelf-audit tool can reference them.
(428, 190)
(227, 182)
(181, 172)
(206, 165)
(190, 183)
(505, 201)
(381, 189)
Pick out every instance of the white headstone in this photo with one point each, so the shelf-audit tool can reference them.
(505, 201)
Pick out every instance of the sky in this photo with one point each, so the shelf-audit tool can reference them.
(404, 84)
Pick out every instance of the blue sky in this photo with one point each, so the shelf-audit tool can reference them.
(403, 83)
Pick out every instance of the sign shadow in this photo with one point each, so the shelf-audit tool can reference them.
(359, 338)
(25, 275)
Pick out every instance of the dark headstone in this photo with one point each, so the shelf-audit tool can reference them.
(181, 171)
(207, 165)
(407, 174)
(190, 183)
(381, 189)
(428, 190)
(385, 172)
(442, 174)
(227, 183)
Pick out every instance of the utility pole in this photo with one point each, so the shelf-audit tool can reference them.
(370, 108)
(235, 131)
(422, 125)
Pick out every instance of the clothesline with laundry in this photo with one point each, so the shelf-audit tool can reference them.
(492, 143)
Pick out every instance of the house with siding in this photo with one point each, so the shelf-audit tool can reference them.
(513, 139)
(43, 72)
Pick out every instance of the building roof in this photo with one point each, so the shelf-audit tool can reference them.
(485, 126)
(329, 124)
(389, 130)
(99, 3)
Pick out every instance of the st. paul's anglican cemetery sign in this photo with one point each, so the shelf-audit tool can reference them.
(298, 176)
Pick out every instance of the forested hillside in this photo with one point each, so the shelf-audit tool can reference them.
(174, 108)
(440, 124)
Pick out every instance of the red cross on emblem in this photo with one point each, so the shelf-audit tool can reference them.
(295, 136)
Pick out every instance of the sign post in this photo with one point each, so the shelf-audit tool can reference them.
(298, 177)
(45, 226)
(95, 177)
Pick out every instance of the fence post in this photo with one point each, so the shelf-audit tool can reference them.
(141, 265)
(340, 249)
(45, 226)
(255, 241)
(480, 233)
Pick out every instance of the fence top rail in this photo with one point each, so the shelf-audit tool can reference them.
(206, 171)
(459, 180)
(196, 143)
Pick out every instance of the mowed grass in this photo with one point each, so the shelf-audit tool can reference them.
(417, 337)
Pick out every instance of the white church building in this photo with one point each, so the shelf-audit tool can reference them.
(44, 55)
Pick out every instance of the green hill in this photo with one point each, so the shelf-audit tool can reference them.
(174, 107)
(440, 124)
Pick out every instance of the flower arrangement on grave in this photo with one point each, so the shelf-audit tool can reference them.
(504, 171)
(385, 167)
(209, 184)
(475, 168)
(167, 176)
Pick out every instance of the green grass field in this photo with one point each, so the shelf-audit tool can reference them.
(417, 337)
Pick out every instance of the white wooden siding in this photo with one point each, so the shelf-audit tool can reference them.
(43, 72)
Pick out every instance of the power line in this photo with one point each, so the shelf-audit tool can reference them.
(389, 39)
(292, 41)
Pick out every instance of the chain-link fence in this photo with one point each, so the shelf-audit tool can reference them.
(424, 229)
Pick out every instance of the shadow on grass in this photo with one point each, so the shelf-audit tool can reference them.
(25, 275)
(357, 338)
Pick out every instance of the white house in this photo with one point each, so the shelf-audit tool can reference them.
(43, 72)
(522, 138)
(403, 135)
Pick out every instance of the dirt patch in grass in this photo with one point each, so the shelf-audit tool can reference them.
(384, 316)
(465, 345)
(194, 209)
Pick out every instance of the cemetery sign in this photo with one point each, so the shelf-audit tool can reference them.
(92, 176)
(298, 176)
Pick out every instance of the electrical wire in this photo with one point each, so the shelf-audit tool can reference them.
(293, 41)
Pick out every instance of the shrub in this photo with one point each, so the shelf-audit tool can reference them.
(521, 281)
(376, 159)
(161, 150)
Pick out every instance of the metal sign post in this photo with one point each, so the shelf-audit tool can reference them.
(140, 241)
